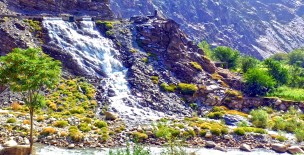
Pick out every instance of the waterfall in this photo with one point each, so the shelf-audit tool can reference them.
(97, 56)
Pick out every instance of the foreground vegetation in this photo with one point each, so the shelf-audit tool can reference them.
(281, 75)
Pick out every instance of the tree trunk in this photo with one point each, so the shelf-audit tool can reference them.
(31, 130)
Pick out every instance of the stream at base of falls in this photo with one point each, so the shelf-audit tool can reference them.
(51, 150)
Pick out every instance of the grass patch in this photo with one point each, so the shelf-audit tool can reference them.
(287, 93)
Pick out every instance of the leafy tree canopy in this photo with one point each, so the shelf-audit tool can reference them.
(258, 82)
(226, 54)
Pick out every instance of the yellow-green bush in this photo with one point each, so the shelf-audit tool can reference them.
(75, 134)
(11, 120)
(168, 88)
(139, 136)
(187, 89)
(100, 124)
(155, 79)
(60, 124)
(84, 127)
(48, 131)
(196, 66)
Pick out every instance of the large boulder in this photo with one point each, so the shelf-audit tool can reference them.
(111, 116)
(280, 148)
(295, 150)
(210, 144)
(16, 150)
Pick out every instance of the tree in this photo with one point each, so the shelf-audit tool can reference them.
(206, 48)
(296, 57)
(282, 57)
(226, 54)
(247, 63)
(277, 71)
(29, 71)
(258, 82)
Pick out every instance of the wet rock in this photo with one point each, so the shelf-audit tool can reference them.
(111, 93)
(234, 119)
(210, 144)
(295, 150)
(280, 148)
(245, 147)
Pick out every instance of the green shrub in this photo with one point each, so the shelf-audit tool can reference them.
(242, 124)
(166, 132)
(75, 134)
(61, 124)
(216, 115)
(187, 89)
(202, 133)
(107, 24)
(216, 131)
(155, 79)
(86, 120)
(84, 127)
(260, 118)
(258, 82)
(299, 133)
(11, 120)
(77, 110)
(281, 138)
(109, 33)
(168, 88)
(228, 55)
(100, 124)
(48, 131)
(279, 123)
(196, 65)
(277, 71)
(239, 131)
(247, 63)
(136, 150)
(140, 136)
(243, 130)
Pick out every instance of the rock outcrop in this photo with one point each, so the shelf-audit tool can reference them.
(258, 28)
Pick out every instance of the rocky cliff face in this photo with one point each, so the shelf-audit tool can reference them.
(75, 7)
(258, 28)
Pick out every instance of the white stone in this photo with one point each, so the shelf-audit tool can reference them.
(10, 143)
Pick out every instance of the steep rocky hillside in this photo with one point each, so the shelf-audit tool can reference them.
(55, 7)
(258, 28)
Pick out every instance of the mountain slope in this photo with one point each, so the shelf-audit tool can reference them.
(258, 28)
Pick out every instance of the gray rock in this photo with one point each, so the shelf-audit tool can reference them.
(234, 119)
(295, 150)
(280, 148)
(245, 147)
(210, 144)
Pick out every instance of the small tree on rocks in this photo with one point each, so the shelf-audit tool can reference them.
(29, 71)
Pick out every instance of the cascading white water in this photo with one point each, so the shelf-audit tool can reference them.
(96, 54)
